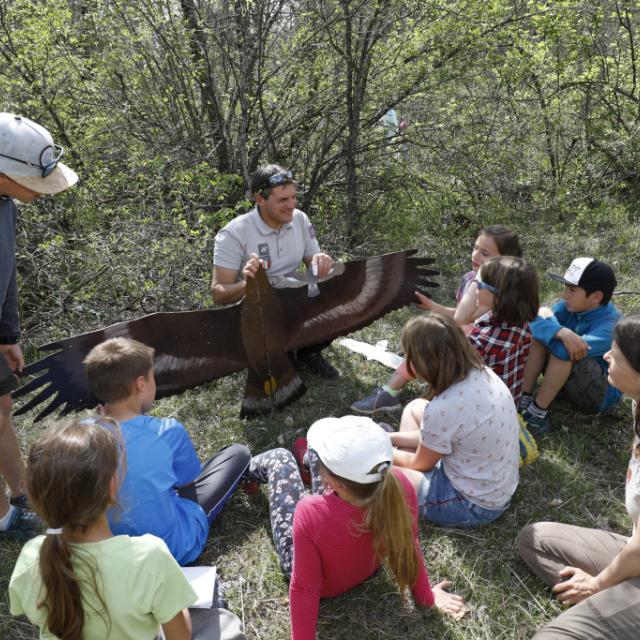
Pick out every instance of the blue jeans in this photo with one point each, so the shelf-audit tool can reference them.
(439, 502)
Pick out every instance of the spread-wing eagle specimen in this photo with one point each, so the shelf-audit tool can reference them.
(258, 333)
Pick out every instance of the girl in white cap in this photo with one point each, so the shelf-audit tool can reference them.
(331, 541)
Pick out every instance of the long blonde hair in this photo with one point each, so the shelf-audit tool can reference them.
(389, 520)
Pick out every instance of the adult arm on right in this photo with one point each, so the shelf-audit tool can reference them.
(579, 585)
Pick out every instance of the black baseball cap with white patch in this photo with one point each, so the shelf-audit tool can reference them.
(590, 274)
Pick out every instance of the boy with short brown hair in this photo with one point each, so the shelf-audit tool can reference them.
(166, 490)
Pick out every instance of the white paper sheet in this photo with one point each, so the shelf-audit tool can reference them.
(202, 579)
(376, 351)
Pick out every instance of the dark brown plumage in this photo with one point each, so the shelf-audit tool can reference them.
(258, 333)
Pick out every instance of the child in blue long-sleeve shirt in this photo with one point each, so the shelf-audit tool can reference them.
(569, 340)
(166, 491)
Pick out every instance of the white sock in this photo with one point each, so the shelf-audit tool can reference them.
(6, 518)
(536, 411)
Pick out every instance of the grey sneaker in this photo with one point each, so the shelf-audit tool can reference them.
(535, 425)
(377, 400)
(23, 524)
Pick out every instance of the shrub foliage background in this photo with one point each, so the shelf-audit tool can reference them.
(516, 111)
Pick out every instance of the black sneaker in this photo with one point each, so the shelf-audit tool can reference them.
(23, 524)
(20, 501)
(314, 361)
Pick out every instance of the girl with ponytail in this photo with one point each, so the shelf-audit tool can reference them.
(79, 581)
(361, 514)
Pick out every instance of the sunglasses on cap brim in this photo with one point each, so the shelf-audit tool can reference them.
(48, 161)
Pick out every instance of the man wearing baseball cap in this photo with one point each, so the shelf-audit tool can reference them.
(29, 167)
(569, 341)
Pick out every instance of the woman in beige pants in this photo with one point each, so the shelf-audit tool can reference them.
(597, 571)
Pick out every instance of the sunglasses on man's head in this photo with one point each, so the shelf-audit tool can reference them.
(484, 285)
(49, 158)
(277, 179)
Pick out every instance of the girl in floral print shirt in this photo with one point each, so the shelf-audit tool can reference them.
(459, 445)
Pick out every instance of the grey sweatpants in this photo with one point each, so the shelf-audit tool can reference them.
(612, 614)
(215, 624)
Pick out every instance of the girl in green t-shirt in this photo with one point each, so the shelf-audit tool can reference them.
(79, 580)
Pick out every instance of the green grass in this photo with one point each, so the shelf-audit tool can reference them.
(579, 479)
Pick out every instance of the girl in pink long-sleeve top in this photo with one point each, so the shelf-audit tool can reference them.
(331, 541)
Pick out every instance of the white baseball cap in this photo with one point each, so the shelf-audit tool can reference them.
(29, 156)
(352, 447)
(590, 274)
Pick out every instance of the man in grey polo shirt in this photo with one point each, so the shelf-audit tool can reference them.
(275, 234)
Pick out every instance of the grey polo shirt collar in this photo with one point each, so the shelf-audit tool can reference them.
(263, 227)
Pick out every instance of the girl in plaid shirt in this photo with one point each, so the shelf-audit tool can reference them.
(509, 287)
(495, 240)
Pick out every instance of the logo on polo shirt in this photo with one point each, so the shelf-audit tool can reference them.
(264, 255)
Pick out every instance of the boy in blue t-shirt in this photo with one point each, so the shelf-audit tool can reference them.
(569, 342)
(166, 490)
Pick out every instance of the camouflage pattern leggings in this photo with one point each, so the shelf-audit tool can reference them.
(279, 469)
